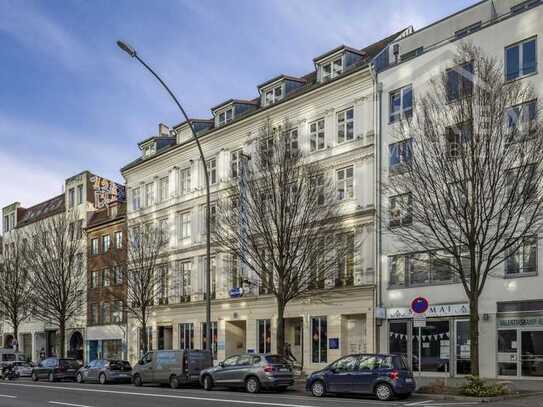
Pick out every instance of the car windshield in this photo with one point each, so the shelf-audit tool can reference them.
(275, 360)
(118, 364)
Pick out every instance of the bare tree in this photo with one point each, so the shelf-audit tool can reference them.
(55, 258)
(465, 178)
(280, 220)
(15, 288)
(142, 273)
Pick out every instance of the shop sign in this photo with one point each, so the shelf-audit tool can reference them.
(521, 322)
(438, 310)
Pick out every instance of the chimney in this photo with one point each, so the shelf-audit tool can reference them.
(163, 130)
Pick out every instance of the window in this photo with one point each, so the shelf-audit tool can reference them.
(106, 278)
(319, 340)
(316, 135)
(401, 104)
(149, 194)
(459, 81)
(457, 138)
(118, 275)
(71, 198)
(236, 273)
(106, 243)
(397, 271)
(331, 69)
(117, 312)
(344, 183)
(266, 150)
(213, 339)
(93, 314)
(520, 59)
(293, 143)
(468, 30)
(418, 269)
(163, 284)
(347, 364)
(525, 5)
(273, 95)
(80, 197)
(212, 171)
(164, 230)
(235, 163)
(184, 181)
(226, 116)
(105, 317)
(184, 227)
(186, 336)
(136, 198)
(400, 154)
(213, 218)
(79, 229)
(523, 260)
(317, 182)
(164, 189)
(345, 263)
(185, 280)
(401, 210)
(264, 336)
(94, 279)
(213, 274)
(119, 240)
(521, 121)
(94, 247)
(411, 54)
(345, 125)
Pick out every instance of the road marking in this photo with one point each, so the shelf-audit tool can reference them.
(8, 396)
(170, 396)
(60, 403)
(418, 403)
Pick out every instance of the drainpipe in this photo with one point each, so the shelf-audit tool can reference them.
(377, 95)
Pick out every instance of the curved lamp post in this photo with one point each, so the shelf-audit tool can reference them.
(132, 52)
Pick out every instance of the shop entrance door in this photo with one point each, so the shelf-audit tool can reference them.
(531, 357)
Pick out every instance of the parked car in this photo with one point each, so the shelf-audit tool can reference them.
(385, 376)
(55, 369)
(173, 367)
(250, 371)
(23, 369)
(105, 371)
(8, 355)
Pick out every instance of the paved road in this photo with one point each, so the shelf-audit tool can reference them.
(23, 393)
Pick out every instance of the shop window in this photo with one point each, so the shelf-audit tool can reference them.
(186, 336)
(319, 340)
(264, 336)
(507, 352)
(398, 338)
(531, 353)
(431, 347)
(463, 364)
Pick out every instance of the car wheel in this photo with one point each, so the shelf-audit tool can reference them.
(383, 392)
(102, 378)
(208, 383)
(79, 378)
(318, 389)
(34, 377)
(137, 381)
(52, 377)
(252, 385)
(174, 382)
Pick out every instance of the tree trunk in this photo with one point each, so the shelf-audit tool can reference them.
(62, 339)
(280, 328)
(474, 333)
(144, 336)
(16, 335)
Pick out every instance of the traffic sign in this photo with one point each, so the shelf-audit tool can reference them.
(419, 321)
(419, 305)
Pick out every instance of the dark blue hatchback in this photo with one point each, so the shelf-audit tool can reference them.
(385, 376)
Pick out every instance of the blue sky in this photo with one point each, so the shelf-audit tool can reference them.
(70, 100)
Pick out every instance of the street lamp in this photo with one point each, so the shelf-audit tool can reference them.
(132, 52)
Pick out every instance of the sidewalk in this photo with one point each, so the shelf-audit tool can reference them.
(516, 385)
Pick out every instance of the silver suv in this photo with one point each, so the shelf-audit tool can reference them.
(251, 371)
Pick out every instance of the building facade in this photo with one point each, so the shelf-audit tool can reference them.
(106, 332)
(330, 115)
(511, 308)
(84, 193)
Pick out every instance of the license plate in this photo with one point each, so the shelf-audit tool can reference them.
(71, 370)
(284, 370)
(409, 380)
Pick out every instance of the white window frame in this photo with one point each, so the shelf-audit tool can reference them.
(343, 122)
(211, 166)
(136, 198)
(235, 163)
(344, 183)
(119, 239)
(403, 113)
(520, 47)
(149, 194)
(315, 135)
(106, 243)
(71, 198)
(332, 64)
(185, 227)
(271, 95)
(164, 188)
(184, 181)
(80, 194)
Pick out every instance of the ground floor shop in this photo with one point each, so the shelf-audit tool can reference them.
(106, 342)
(318, 330)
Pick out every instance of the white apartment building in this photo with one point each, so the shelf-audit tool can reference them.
(83, 193)
(331, 111)
(511, 326)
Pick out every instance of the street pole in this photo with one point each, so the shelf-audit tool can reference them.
(132, 52)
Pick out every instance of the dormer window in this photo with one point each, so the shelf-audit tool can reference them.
(148, 150)
(273, 95)
(226, 116)
(332, 69)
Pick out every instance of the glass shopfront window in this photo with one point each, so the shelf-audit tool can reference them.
(532, 353)
(463, 360)
(398, 338)
(432, 347)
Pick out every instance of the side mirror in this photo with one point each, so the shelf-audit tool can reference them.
(333, 370)
(221, 364)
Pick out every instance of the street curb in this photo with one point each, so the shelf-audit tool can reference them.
(479, 399)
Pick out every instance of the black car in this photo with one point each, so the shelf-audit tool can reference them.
(54, 369)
